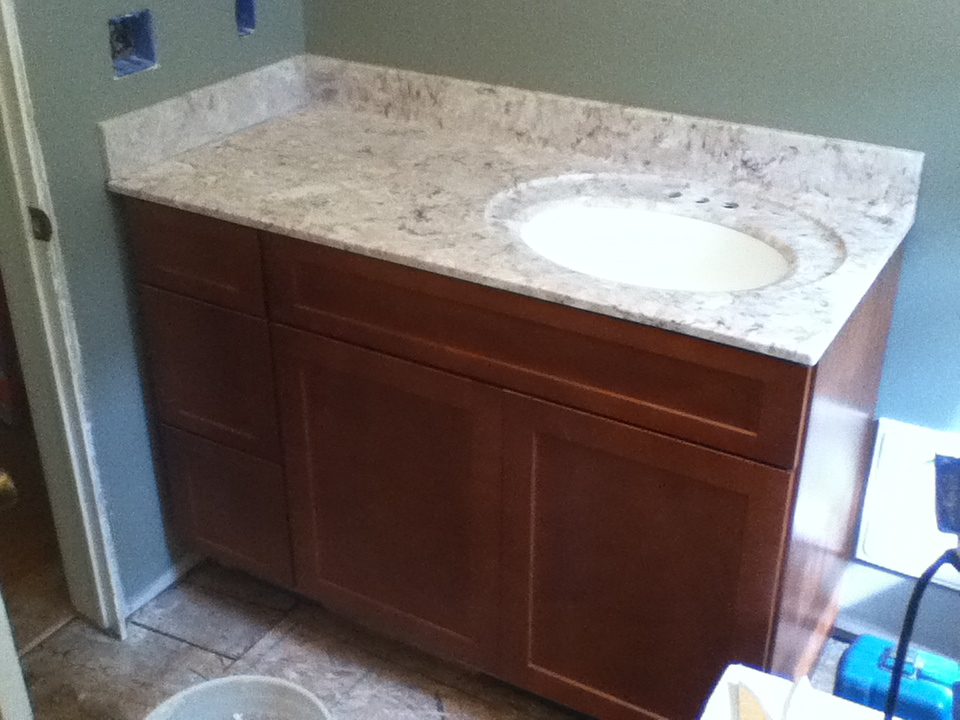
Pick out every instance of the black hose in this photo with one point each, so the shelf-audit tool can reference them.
(951, 557)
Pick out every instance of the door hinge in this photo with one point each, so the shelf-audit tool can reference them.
(40, 224)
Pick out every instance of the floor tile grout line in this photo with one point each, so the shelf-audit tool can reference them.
(186, 581)
(283, 618)
(431, 679)
(23, 655)
(413, 670)
(233, 659)
(345, 695)
(171, 636)
(44, 636)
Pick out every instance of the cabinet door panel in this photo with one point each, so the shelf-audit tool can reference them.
(637, 566)
(228, 504)
(211, 371)
(395, 491)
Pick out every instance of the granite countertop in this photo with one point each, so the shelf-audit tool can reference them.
(403, 166)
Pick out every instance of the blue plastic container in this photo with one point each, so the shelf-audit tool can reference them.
(926, 688)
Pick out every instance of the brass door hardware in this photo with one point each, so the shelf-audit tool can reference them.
(8, 491)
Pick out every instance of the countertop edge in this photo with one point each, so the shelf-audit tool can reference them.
(808, 356)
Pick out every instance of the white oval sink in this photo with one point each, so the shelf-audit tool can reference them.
(666, 234)
(649, 248)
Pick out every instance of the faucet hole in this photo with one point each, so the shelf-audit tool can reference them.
(731, 205)
(701, 201)
(675, 194)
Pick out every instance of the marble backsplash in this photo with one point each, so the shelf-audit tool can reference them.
(781, 162)
(141, 138)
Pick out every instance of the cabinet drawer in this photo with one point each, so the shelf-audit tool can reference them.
(198, 256)
(730, 399)
(228, 504)
(211, 371)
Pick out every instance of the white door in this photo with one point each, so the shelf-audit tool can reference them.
(42, 315)
(14, 703)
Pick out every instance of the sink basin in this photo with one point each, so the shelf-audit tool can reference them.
(650, 248)
(647, 231)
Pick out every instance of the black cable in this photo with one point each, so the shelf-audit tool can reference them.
(950, 556)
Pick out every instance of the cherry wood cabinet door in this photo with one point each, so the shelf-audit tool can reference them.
(228, 504)
(211, 371)
(394, 476)
(636, 566)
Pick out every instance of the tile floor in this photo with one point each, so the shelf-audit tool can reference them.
(38, 605)
(217, 623)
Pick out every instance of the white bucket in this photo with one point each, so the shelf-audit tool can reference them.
(242, 697)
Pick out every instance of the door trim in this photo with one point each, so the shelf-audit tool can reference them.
(43, 322)
(14, 701)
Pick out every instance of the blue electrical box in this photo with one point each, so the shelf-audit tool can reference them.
(926, 689)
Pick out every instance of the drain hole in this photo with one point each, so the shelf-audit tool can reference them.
(701, 201)
(675, 194)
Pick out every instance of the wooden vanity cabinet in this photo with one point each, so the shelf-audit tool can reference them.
(603, 513)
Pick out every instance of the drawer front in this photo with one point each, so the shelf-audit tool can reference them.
(211, 371)
(198, 256)
(714, 395)
(228, 504)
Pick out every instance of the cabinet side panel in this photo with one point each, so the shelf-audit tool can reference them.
(836, 459)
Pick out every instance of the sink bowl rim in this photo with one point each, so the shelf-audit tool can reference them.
(812, 249)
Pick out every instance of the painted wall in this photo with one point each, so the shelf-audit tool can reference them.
(71, 78)
(882, 71)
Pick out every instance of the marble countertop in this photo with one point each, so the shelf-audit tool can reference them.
(402, 166)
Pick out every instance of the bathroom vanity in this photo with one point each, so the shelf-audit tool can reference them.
(602, 494)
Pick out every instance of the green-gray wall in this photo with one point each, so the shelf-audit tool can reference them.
(883, 71)
(71, 77)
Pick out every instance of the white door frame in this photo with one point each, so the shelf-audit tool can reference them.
(14, 701)
(42, 315)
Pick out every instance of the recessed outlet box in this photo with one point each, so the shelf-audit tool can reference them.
(133, 47)
(246, 16)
